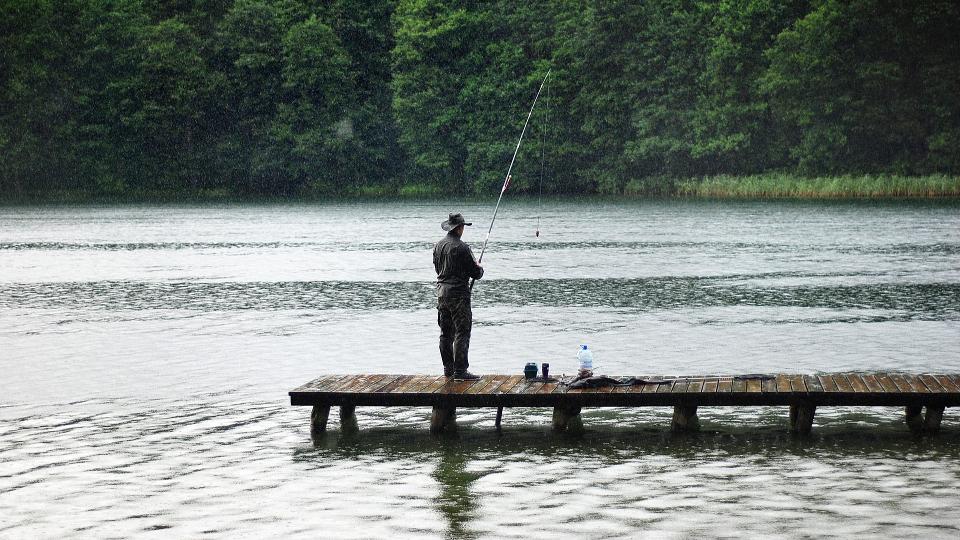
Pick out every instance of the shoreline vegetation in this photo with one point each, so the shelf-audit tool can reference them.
(754, 187)
(836, 187)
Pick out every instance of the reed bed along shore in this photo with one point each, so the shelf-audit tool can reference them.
(761, 186)
(776, 186)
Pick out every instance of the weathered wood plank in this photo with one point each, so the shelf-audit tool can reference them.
(511, 382)
(872, 383)
(651, 387)
(433, 382)
(900, 382)
(843, 384)
(533, 388)
(428, 385)
(499, 380)
(403, 383)
(826, 389)
(812, 383)
(797, 384)
(331, 382)
(399, 381)
(857, 383)
(523, 385)
(375, 387)
(412, 384)
(372, 382)
(423, 384)
(932, 384)
(461, 387)
(356, 384)
(666, 386)
(344, 383)
(946, 382)
(827, 383)
(315, 383)
(548, 388)
(916, 384)
(480, 387)
(491, 388)
(886, 383)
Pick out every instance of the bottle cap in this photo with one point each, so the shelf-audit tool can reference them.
(584, 347)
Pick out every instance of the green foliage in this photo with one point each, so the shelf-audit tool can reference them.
(733, 130)
(313, 127)
(419, 97)
(837, 187)
(861, 86)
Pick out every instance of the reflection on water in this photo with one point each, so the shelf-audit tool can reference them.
(455, 501)
(626, 473)
(147, 353)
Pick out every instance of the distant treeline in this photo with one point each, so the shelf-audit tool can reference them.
(297, 97)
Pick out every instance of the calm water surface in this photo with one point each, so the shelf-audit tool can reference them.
(146, 354)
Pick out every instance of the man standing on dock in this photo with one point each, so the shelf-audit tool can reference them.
(455, 265)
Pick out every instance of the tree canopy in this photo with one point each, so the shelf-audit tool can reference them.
(291, 97)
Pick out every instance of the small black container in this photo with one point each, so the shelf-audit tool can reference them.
(530, 370)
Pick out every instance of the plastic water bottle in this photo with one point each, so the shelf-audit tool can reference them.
(585, 356)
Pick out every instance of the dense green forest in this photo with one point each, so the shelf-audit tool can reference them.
(316, 98)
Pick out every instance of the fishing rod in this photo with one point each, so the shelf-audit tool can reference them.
(506, 179)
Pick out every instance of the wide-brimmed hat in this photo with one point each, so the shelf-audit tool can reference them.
(454, 221)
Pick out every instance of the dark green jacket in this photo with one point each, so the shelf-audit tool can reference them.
(455, 265)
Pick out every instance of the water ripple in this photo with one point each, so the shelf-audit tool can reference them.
(909, 301)
(223, 467)
(940, 248)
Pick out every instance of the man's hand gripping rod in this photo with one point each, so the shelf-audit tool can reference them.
(506, 179)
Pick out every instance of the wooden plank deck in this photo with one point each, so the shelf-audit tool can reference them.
(832, 389)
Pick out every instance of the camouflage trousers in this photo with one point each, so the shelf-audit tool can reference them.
(455, 319)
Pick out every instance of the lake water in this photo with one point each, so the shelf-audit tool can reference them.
(146, 353)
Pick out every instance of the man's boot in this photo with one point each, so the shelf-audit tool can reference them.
(465, 376)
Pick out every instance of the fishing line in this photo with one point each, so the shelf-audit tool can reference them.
(543, 159)
(506, 179)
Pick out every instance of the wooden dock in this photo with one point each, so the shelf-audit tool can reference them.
(924, 396)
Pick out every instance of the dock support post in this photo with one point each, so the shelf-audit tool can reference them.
(318, 419)
(567, 418)
(914, 418)
(499, 417)
(801, 417)
(348, 419)
(931, 423)
(444, 418)
(685, 418)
